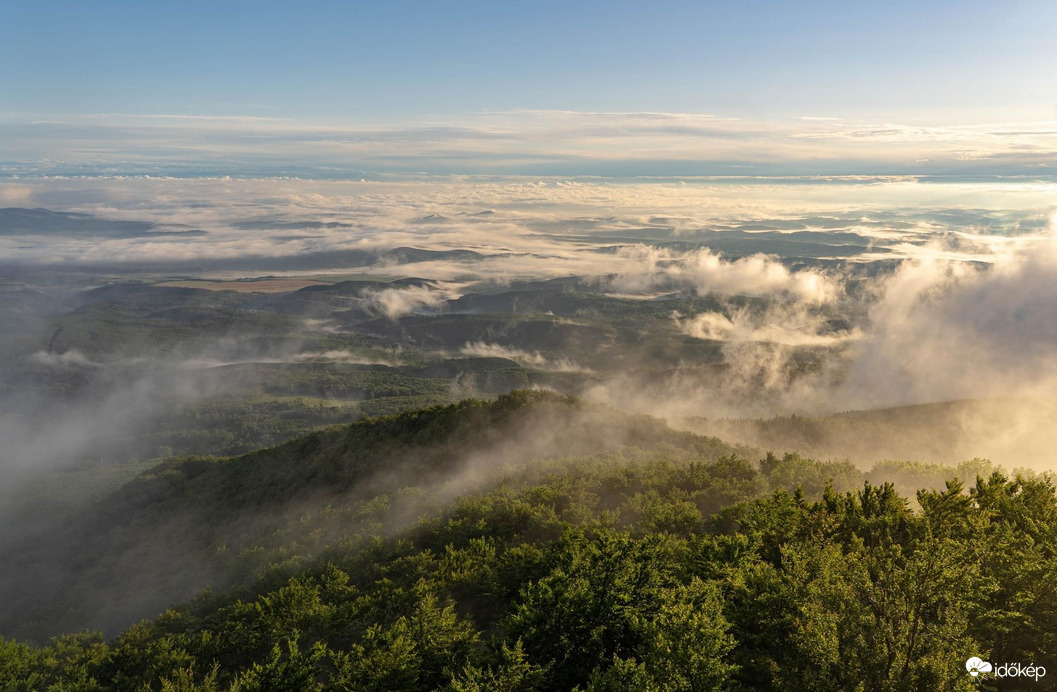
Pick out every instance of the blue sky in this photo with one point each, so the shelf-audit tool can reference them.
(418, 66)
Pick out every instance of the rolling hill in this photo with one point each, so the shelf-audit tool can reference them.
(534, 542)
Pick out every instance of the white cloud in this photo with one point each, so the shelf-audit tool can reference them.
(397, 302)
(757, 274)
(534, 360)
(709, 272)
(946, 329)
(782, 326)
(526, 141)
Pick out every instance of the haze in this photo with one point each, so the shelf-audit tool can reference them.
(256, 257)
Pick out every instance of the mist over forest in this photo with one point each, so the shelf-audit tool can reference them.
(136, 311)
(219, 395)
(528, 346)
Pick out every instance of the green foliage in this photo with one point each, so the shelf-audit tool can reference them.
(666, 564)
(184, 680)
(511, 672)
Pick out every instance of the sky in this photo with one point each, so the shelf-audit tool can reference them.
(340, 89)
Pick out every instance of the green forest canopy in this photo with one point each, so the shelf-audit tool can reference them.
(661, 561)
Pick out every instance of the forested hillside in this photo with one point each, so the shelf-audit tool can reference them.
(536, 543)
(194, 522)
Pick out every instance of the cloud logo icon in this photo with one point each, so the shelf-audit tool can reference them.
(977, 665)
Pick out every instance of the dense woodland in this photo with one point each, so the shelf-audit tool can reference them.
(375, 556)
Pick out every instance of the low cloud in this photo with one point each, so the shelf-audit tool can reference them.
(758, 274)
(397, 302)
(783, 325)
(534, 228)
(946, 329)
(709, 272)
(947, 292)
(535, 360)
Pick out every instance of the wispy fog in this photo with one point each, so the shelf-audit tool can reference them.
(702, 301)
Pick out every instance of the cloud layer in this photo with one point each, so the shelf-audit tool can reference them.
(528, 142)
(828, 295)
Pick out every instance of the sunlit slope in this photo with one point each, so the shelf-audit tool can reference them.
(632, 569)
(196, 522)
(1013, 432)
